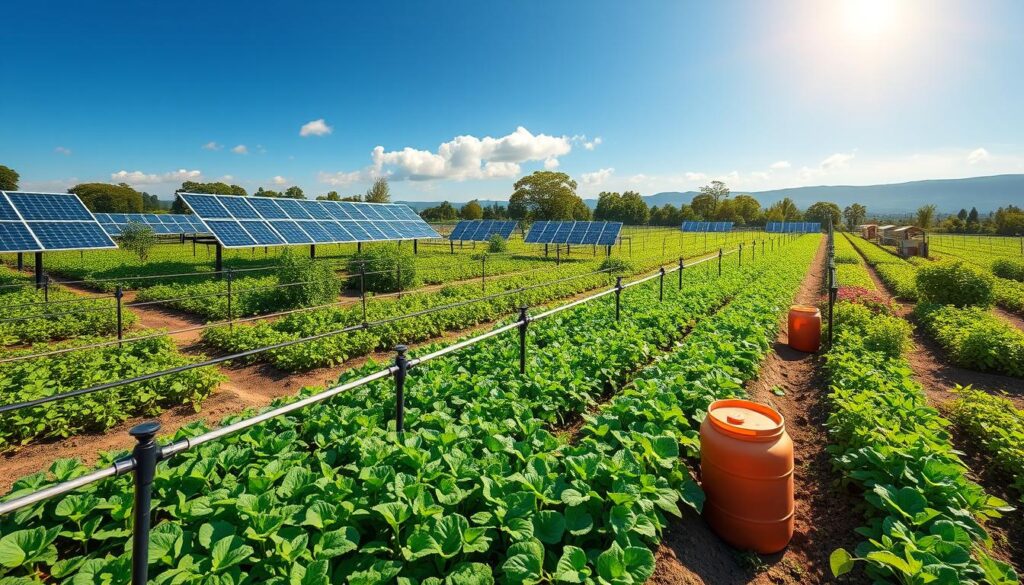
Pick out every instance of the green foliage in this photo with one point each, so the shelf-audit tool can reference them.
(379, 192)
(1009, 269)
(629, 208)
(138, 239)
(305, 282)
(547, 195)
(996, 427)
(497, 244)
(107, 198)
(823, 212)
(215, 188)
(250, 295)
(472, 210)
(443, 212)
(35, 378)
(955, 283)
(8, 178)
(924, 515)
(615, 265)
(478, 488)
(975, 338)
(384, 265)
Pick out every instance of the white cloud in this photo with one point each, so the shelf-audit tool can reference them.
(839, 160)
(316, 127)
(279, 180)
(141, 178)
(696, 176)
(977, 155)
(597, 177)
(780, 165)
(551, 163)
(211, 145)
(469, 157)
(340, 179)
(587, 144)
(62, 150)
(240, 149)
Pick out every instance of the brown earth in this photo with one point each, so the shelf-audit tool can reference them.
(825, 517)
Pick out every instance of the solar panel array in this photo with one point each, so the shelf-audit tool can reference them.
(161, 223)
(239, 222)
(37, 222)
(481, 230)
(707, 226)
(603, 233)
(790, 227)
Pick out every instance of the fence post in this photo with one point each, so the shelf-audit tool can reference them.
(681, 266)
(618, 297)
(362, 287)
(741, 253)
(720, 254)
(524, 319)
(146, 454)
(661, 285)
(558, 254)
(451, 244)
(231, 323)
(118, 294)
(403, 368)
(46, 288)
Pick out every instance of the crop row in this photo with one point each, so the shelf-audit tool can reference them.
(896, 273)
(924, 517)
(849, 266)
(974, 338)
(31, 379)
(1009, 294)
(478, 486)
(996, 427)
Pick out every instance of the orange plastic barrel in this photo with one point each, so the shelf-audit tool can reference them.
(804, 328)
(746, 464)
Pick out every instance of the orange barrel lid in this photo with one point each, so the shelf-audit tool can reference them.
(745, 419)
(804, 309)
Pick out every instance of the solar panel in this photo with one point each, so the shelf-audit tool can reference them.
(36, 222)
(574, 232)
(610, 233)
(230, 233)
(163, 223)
(292, 221)
(481, 230)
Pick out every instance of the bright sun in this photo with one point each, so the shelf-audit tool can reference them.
(869, 19)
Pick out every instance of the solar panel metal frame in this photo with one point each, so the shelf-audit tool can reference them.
(313, 222)
(12, 215)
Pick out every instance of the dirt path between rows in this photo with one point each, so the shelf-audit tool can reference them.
(937, 376)
(825, 519)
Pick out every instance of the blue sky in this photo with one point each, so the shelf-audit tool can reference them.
(458, 99)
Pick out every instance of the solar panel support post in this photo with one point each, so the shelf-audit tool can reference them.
(545, 250)
(231, 321)
(402, 368)
(524, 320)
(146, 454)
(39, 270)
(618, 297)
(451, 244)
(609, 251)
(415, 246)
(312, 251)
(661, 285)
(558, 254)
(220, 260)
(359, 246)
(21, 261)
(118, 295)
(720, 254)
(362, 288)
(681, 267)
(193, 247)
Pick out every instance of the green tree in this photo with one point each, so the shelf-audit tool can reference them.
(609, 206)
(357, 198)
(495, 211)
(962, 216)
(717, 191)
(294, 192)
(443, 212)
(547, 195)
(330, 196)
(1009, 221)
(747, 209)
(216, 188)
(472, 210)
(703, 206)
(8, 179)
(379, 192)
(925, 216)
(855, 214)
(260, 192)
(634, 210)
(137, 238)
(972, 217)
(107, 198)
(785, 210)
(824, 212)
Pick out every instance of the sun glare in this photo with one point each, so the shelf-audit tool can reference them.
(869, 19)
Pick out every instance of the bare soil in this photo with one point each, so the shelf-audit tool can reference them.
(825, 517)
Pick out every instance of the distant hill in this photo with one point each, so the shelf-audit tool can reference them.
(985, 193)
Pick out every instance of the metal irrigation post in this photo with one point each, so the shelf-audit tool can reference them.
(229, 276)
(403, 368)
(524, 320)
(46, 288)
(145, 455)
(681, 266)
(362, 287)
(661, 285)
(118, 294)
(618, 297)
(720, 254)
